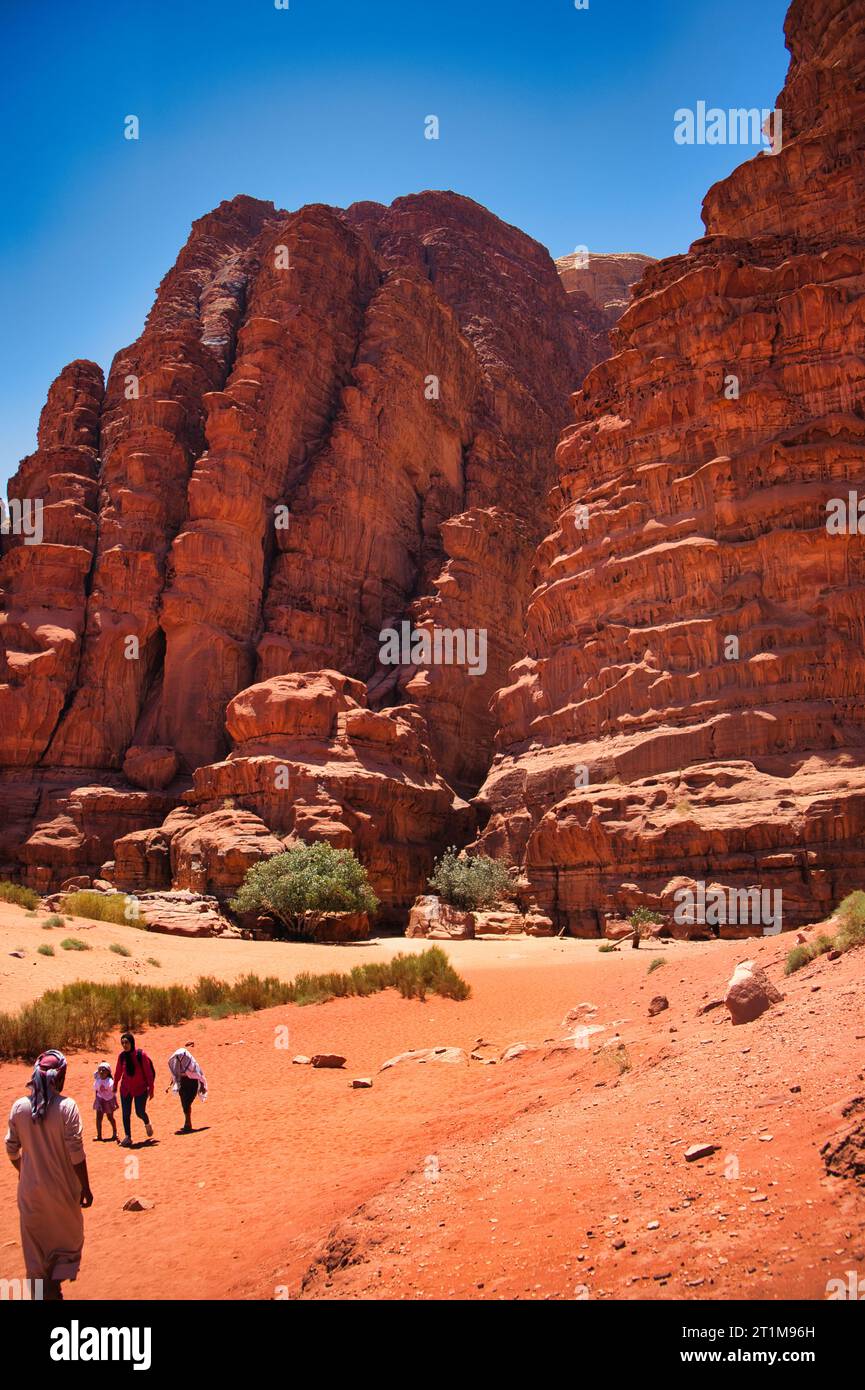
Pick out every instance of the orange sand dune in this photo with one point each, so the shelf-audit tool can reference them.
(528, 1155)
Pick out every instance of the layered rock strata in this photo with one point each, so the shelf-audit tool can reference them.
(693, 698)
(333, 422)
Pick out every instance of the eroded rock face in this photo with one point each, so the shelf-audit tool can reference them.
(599, 289)
(692, 699)
(309, 761)
(332, 422)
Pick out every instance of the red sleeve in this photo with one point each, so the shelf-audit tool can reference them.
(150, 1071)
(118, 1071)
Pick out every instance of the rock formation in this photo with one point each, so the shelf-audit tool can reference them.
(599, 289)
(692, 699)
(333, 422)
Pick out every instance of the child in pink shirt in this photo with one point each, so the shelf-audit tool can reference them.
(105, 1102)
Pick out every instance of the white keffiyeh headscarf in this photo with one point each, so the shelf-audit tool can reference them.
(183, 1066)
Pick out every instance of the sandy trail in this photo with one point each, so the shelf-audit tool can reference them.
(528, 1156)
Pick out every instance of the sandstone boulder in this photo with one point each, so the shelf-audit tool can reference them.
(438, 920)
(750, 993)
(183, 913)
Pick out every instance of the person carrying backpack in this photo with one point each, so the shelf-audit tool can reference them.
(134, 1079)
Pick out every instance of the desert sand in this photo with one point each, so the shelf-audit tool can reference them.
(532, 1178)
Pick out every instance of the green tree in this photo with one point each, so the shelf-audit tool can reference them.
(310, 878)
(470, 881)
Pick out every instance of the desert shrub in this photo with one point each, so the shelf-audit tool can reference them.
(30, 914)
(607, 946)
(621, 1058)
(52, 921)
(641, 915)
(852, 930)
(803, 955)
(119, 950)
(310, 878)
(796, 958)
(655, 964)
(151, 960)
(74, 943)
(102, 907)
(45, 950)
(16, 893)
(469, 882)
(82, 1014)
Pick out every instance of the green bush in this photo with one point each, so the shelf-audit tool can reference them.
(852, 930)
(15, 893)
(45, 950)
(641, 915)
(151, 960)
(803, 955)
(310, 878)
(52, 921)
(470, 882)
(119, 950)
(74, 943)
(101, 907)
(655, 964)
(799, 956)
(83, 1013)
(607, 946)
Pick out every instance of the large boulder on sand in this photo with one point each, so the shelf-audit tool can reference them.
(433, 918)
(336, 926)
(436, 919)
(750, 993)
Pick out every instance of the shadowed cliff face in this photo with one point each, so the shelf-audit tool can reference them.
(332, 423)
(691, 705)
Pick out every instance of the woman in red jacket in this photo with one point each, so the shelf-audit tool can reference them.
(134, 1078)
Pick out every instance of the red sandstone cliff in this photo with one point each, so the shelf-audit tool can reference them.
(705, 521)
(332, 422)
(599, 290)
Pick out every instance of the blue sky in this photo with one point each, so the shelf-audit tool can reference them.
(558, 120)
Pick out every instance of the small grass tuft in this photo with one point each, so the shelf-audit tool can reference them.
(45, 950)
(655, 964)
(151, 960)
(52, 921)
(621, 1058)
(803, 955)
(119, 950)
(607, 946)
(74, 943)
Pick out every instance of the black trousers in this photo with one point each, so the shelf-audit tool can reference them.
(188, 1090)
